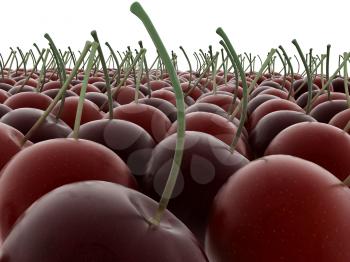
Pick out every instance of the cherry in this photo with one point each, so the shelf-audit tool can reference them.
(8, 81)
(165, 95)
(4, 110)
(302, 99)
(300, 86)
(100, 99)
(206, 165)
(129, 141)
(278, 93)
(280, 208)
(206, 107)
(272, 124)
(154, 121)
(166, 107)
(30, 82)
(5, 87)
(268, 107)
(338, 85)
(90, 88)
(52, 163)
(222, 100)
(318, 143)
(328, 96)
(24, 118)
(157, 84)
(19, 89)
(53, 93)
(341, 119)
(260, 89)
(126, 95)
(28, 99)
(94, 79)
(90, 111)
(52, 85)
(10, 140)
(214, 125)
(325, 111)
(3, 96)
(257, 101)
(70, 233)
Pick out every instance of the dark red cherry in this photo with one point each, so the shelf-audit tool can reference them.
(325, 111)
(47, 165)
(166, 107)
(28, 99)
(98, 221)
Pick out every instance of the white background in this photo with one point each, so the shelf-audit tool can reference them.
(253, 26)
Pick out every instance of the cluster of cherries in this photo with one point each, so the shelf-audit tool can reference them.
(131, 163)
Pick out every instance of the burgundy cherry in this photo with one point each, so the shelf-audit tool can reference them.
(92, 221)
(90, 88)
(47, 165)
(206, 165)
(280, 208)
(28, 99)
(90, 111)
(341, 119)
(325, 111)
(166, 107)
(53, 92)
(323, 144)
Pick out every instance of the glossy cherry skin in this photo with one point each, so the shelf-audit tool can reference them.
(222, 100)
(157, 84)
(268, 107)
(206, 107)
(325, 111)
(90, 88)
(325, 97)
(302, 99)
(257, 101)
(166, 107)
(216, 126)
(101, 100)
(338, 85)
(91, 221)
(277, 92)
(3, 96)
(10, 141)
(52, 163)
(129, 141)
(28, 99)
(341, 119)
(24, 118)
(300, 86)
(4, 110)
(126, 95)
(90, 111)
(206, 165)
(8, 81)
(270, 125)
(20, 89)
(53, 92)
(154, 121)
(280, 208)
(5, 87)
(323, 144)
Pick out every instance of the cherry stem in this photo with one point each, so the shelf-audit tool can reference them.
(137, 9)
(331, 78)
(308, 74)
(23, 60)
(327, 68)
(115, 58)
(189, 65)
(215, 64)
(290, 68)
(235, 60)
(198, 62)
(346, 88)
(41, 78)
(58, 57)
(147, 72)
(138, 77)
(88, 69)
(59, 94)
(105, 71)
(284, 68)
(1, 68)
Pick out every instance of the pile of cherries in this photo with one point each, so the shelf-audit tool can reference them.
(139, 161)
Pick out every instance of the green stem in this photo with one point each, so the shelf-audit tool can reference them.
(138, 77)
(105, 71)
(115, 58)
(189, 65)
(59, 94)
(147, 72)
(346, 88)
(308, 74)
(284, 68)
(89, 66)
(291, 70)
(137, 9)
(327, 69)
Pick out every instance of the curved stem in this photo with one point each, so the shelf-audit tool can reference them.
(58, 58)
(291, 70)
(284, 68)
(296, 58)
(105, 71)
(308, 74)
(327, 69)
(235, 60)
(83, 90)
(41, 78)
(59, 94)
(139, 76)
(23, 60)
(137, 9)
(346, 87)
(115, 58)
(189, 65)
